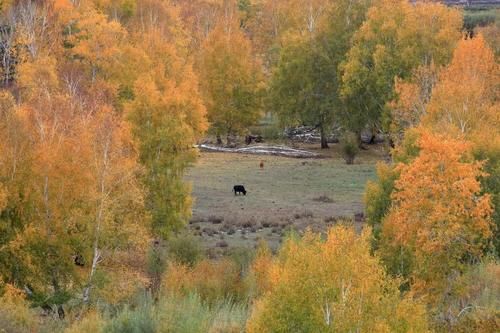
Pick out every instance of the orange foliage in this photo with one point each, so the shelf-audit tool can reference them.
(69, 165)
(211, 279)
(15, 314)
(413, 96)
(438, 213)
(465, 97)
(260, 269)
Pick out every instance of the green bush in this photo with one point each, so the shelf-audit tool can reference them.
(272, 132)
(269, 132)
(185, 249)
(178, 314)
(140, 320)
(157, 260)
(228, 317)
(378, 199)
(183, 315)
(350, 147)
(491, 184)
(242, 257)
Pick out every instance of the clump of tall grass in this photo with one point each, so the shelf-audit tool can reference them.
(138, 320)
(173, 313)
(189, 314)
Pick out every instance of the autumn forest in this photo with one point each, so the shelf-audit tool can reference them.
(105, 106)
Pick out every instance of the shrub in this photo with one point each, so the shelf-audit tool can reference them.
(190, 314)
(228, 317)
(140, 320)
(92, 322)
(185, 249)
(378, 199)
(15, 314)
(319, 285)
(305, 214)
(242, 257)
(272, 132)
(222, 244)
(172, 313)
(258, 277)
(491, 183)
(212, 279)
(183, 314)
(323, 198)
(472, 303)
(350, 147)
(128, 321)
(215, 219)
(157, 264)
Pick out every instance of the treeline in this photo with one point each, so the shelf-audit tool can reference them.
(102, 102)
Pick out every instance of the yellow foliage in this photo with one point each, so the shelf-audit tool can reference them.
(91, 322)
(230, 80)
(15, 313)
(333, 285)
(212, 279)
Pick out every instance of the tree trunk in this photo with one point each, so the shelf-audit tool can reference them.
(99, 217)
(60, 311)
(156, 267)
(95, 260)
(228, 137)
(324, 141)
(219, 139)
(358, 137)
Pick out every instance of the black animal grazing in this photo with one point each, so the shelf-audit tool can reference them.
(239, 189)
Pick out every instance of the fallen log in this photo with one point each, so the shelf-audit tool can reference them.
(262, 150)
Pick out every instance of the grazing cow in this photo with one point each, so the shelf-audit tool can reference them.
(262, 164)
(239, 189)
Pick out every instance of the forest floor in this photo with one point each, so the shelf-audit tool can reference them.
(287, 193)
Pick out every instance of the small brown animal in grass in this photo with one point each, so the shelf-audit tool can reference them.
(262, 164)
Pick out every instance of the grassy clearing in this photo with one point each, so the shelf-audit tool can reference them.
(285, 193)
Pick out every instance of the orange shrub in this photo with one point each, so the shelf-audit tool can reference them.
(211, 279)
